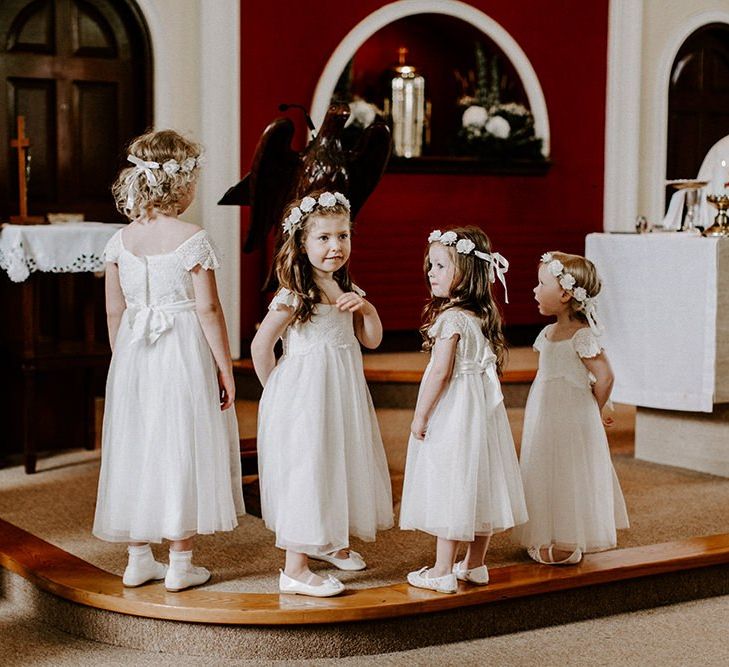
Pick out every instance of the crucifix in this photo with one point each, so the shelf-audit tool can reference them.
(21, 144)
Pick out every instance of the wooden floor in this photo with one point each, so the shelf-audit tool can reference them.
(56, 571)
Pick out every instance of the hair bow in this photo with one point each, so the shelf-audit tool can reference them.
(498, 266)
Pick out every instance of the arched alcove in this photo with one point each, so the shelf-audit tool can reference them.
(398, 10)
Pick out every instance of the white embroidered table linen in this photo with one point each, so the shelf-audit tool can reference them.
(72, 247)
(665, 307)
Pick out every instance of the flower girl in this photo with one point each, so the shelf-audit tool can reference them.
(170, 462)
(573, 496)
(322, 466)
(462, 480)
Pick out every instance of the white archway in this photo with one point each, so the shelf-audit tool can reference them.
(397, 10)
(196, 83)
(659, 128)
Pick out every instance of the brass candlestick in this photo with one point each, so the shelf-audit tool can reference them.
(721, 221)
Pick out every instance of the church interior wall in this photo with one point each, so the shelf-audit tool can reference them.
(524, 215)
(666, 25)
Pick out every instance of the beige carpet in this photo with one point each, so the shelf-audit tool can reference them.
(57, 504)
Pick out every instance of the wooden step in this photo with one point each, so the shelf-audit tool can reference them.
(55, 571)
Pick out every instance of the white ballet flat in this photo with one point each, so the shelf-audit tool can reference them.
(477, 575)
(535, 553)
(445, 584)
(353, 563)
(136, 575)
(329, 587)
(180, 579)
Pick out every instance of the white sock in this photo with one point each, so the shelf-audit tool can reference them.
(140, 554)
(180, 560)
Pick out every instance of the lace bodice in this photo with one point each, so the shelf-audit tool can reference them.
(328, 326)
(473, 353)
(161, 279)
(156, 287)
(561, 359)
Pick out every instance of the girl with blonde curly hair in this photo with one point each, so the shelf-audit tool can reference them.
(462, 480)
(170, 465)
(322, 465)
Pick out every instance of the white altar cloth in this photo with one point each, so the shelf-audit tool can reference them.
(665, 307)
(71, 247)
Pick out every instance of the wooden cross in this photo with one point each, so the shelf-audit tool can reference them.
(22, 143)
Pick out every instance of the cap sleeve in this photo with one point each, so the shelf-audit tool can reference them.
(540, 339)
(586, 344)
(199, 249)
(113, 248)
(358, 290)
(284, 298)
(447, 325)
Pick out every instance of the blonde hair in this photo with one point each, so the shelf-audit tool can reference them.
(134, 195)
(471, 290)
(292, 266)
(585, 275)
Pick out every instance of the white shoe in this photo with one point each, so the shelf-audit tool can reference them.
(329, 587)
(535, 553)
(477, 575)
(178, 578)
(352, 563)
(139, 573)
(445, 584)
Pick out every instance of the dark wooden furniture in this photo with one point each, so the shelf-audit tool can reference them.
(53, 359)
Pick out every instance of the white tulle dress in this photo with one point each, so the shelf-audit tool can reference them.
(573, 494)
(170, 462)
(322, 465)
(463, 479)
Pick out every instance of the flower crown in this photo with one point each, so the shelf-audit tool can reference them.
(585, 303)
(148, 167)
(308, 204)
(497, 263)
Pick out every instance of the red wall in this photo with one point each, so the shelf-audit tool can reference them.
(285, 47)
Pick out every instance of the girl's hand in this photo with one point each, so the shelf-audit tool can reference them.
(226, 385)
(418, 428)
(607, 421)
(352, 302)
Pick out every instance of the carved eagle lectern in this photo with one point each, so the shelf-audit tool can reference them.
(279, 174)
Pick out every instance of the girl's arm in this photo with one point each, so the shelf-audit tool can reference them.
(271, 329)
(441, 369)
(599, 366)
(212, 321)
(367, 325)
(115, 302)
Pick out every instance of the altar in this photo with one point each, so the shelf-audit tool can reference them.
(665, 307)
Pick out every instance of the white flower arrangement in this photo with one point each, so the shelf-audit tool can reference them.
(434, 236)
(475, 116)
(449, 238)
(555, 267)
(309, 204)
(498, 127)
(567, 281)
(579, 294)
(464, 246)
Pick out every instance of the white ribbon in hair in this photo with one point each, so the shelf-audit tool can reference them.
(590, 309)
(140, 167)
(498, 266)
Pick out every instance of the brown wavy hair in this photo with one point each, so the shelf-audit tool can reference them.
(159, 147)
(471, 290)
(585, 275)
(292, 266)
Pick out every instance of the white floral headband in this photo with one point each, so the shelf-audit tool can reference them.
(308, 204)
(148, 167)
(497, 263)
(585, 303)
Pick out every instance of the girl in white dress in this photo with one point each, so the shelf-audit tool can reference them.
(573, 496)
(170, 462)
(462, 480)
(322, 466)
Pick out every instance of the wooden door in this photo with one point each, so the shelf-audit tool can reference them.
(698, 101)
(80, 72)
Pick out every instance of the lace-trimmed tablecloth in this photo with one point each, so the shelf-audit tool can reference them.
(665, 308)
(72, 247)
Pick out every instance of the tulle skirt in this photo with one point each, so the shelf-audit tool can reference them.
(170, 462)
(463, 479)
(322, 465)
(573, 494)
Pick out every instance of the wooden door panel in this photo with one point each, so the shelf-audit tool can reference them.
(32, 28)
